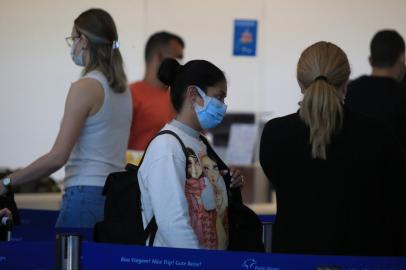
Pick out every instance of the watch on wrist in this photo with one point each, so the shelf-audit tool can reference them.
(6, 181)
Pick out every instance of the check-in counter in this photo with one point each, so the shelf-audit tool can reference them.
(256, 194)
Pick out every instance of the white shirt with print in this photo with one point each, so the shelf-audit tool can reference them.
(163, 180)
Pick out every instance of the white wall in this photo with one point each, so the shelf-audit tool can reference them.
(291, 26)
(36, 70)
(207, 29)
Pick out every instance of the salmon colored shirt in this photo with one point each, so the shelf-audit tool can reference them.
(152, 109)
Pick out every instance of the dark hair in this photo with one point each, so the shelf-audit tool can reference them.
(386, 48)
(197, 72)
(159, 40)
(99, 28)
(190, 154)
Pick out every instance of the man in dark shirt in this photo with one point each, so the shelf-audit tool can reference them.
(381, 95)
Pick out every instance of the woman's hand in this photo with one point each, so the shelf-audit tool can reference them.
(5, 213)
(237, 179)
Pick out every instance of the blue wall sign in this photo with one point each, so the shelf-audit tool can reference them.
(245, 37)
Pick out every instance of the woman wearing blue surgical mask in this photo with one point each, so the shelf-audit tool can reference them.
(94, 132)
(184, 187)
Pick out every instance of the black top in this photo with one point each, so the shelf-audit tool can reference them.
(381, 98)
(353, 203)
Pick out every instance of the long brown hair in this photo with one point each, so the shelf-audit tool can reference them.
(99, 28)
(322, 71)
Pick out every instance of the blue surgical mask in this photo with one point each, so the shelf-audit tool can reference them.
(77, 59)
(211, 113)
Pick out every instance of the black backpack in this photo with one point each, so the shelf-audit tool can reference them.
(123, 219)
(122, 210)
(245, 228)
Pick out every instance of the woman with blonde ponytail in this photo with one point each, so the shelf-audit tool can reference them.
(323, 71)
(338, 175)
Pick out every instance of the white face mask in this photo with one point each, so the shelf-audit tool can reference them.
(77, 59)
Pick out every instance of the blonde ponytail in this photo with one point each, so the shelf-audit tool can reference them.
(323, 71)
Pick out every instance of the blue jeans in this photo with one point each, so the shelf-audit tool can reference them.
(82, 207)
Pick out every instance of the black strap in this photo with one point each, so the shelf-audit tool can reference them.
(152, 227)
(159, 134)
(150, 231)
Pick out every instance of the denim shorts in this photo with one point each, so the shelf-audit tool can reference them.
(82, 207)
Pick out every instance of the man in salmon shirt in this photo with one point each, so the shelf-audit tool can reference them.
(152, 107)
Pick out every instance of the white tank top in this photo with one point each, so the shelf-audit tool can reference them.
(101, 146)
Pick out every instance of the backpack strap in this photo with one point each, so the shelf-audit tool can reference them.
(162, 132)
(150, 231)
(177, 137)
(152, 227)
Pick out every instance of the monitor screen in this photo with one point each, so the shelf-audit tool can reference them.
(221, 133)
